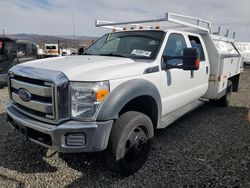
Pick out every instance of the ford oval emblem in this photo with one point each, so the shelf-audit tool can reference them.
(24, 95)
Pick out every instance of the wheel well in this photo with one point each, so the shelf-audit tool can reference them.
(235, 82)
(144, 104)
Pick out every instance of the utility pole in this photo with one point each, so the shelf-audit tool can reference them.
(73, 17)
(3, 32)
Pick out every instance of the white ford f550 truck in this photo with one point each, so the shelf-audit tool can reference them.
(141, 77)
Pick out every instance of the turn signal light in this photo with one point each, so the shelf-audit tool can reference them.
(101, 94)
(197, 63)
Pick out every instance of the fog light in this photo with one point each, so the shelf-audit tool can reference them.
(75, 139)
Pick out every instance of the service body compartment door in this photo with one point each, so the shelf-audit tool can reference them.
(230, 66)
(230, 60)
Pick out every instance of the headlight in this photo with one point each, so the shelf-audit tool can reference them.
(86, 98)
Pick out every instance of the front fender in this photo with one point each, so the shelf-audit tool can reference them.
(124, 93)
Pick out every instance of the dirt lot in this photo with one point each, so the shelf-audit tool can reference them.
(207, 148)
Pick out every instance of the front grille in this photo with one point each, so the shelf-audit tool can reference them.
(42, 102)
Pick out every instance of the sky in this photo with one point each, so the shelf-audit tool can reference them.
(55, 17)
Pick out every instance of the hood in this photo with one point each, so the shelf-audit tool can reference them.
(91, 68)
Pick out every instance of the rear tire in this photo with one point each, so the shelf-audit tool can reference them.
(225, 100)
(129, 143)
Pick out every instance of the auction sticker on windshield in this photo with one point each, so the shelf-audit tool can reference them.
(141, 52)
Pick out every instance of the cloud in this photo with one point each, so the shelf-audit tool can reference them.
(29, 4)
(55, 17)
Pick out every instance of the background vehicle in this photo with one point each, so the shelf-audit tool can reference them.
(244, 49)
(52, 50)
(8, 58)
(139, 78)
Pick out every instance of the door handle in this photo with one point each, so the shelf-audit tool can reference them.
(192, 74)
(206, 69)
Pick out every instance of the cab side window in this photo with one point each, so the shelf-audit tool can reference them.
(174, 47)
(196, 43)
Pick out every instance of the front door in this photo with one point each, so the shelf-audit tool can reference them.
(176, 84)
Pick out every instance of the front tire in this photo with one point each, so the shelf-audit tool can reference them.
(129, 143)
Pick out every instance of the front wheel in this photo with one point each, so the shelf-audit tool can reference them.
(129, 143)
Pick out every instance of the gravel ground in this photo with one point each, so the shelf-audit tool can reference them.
(209, 147)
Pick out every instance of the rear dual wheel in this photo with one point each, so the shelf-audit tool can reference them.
(225, 100)
(129, 143)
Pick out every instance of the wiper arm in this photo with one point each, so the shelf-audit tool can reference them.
(112, 54)
(87, 54)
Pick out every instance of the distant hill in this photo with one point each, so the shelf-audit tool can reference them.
(76, 37)
(63, 39)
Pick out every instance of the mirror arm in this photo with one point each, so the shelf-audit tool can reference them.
(167, 58)
(168, 66)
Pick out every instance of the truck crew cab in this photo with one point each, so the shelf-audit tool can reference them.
(141, 77)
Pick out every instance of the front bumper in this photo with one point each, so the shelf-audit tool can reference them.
(95, 135)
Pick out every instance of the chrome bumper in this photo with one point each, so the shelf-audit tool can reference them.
(94, 135)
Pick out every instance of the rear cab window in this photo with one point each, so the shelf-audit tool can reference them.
(196, 43)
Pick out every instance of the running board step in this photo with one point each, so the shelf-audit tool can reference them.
(172, 117)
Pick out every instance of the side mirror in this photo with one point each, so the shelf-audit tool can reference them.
(191, 59)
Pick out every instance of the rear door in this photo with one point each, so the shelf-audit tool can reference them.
(200, 76)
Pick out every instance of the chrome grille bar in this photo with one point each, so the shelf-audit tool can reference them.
(48, 90)
(34, 105)
(41, 104)
(34, 89)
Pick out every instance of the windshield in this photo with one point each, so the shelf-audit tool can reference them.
(51, 47)
(131, 44)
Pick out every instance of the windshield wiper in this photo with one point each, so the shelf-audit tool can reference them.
(112, 54)
(87, 54)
